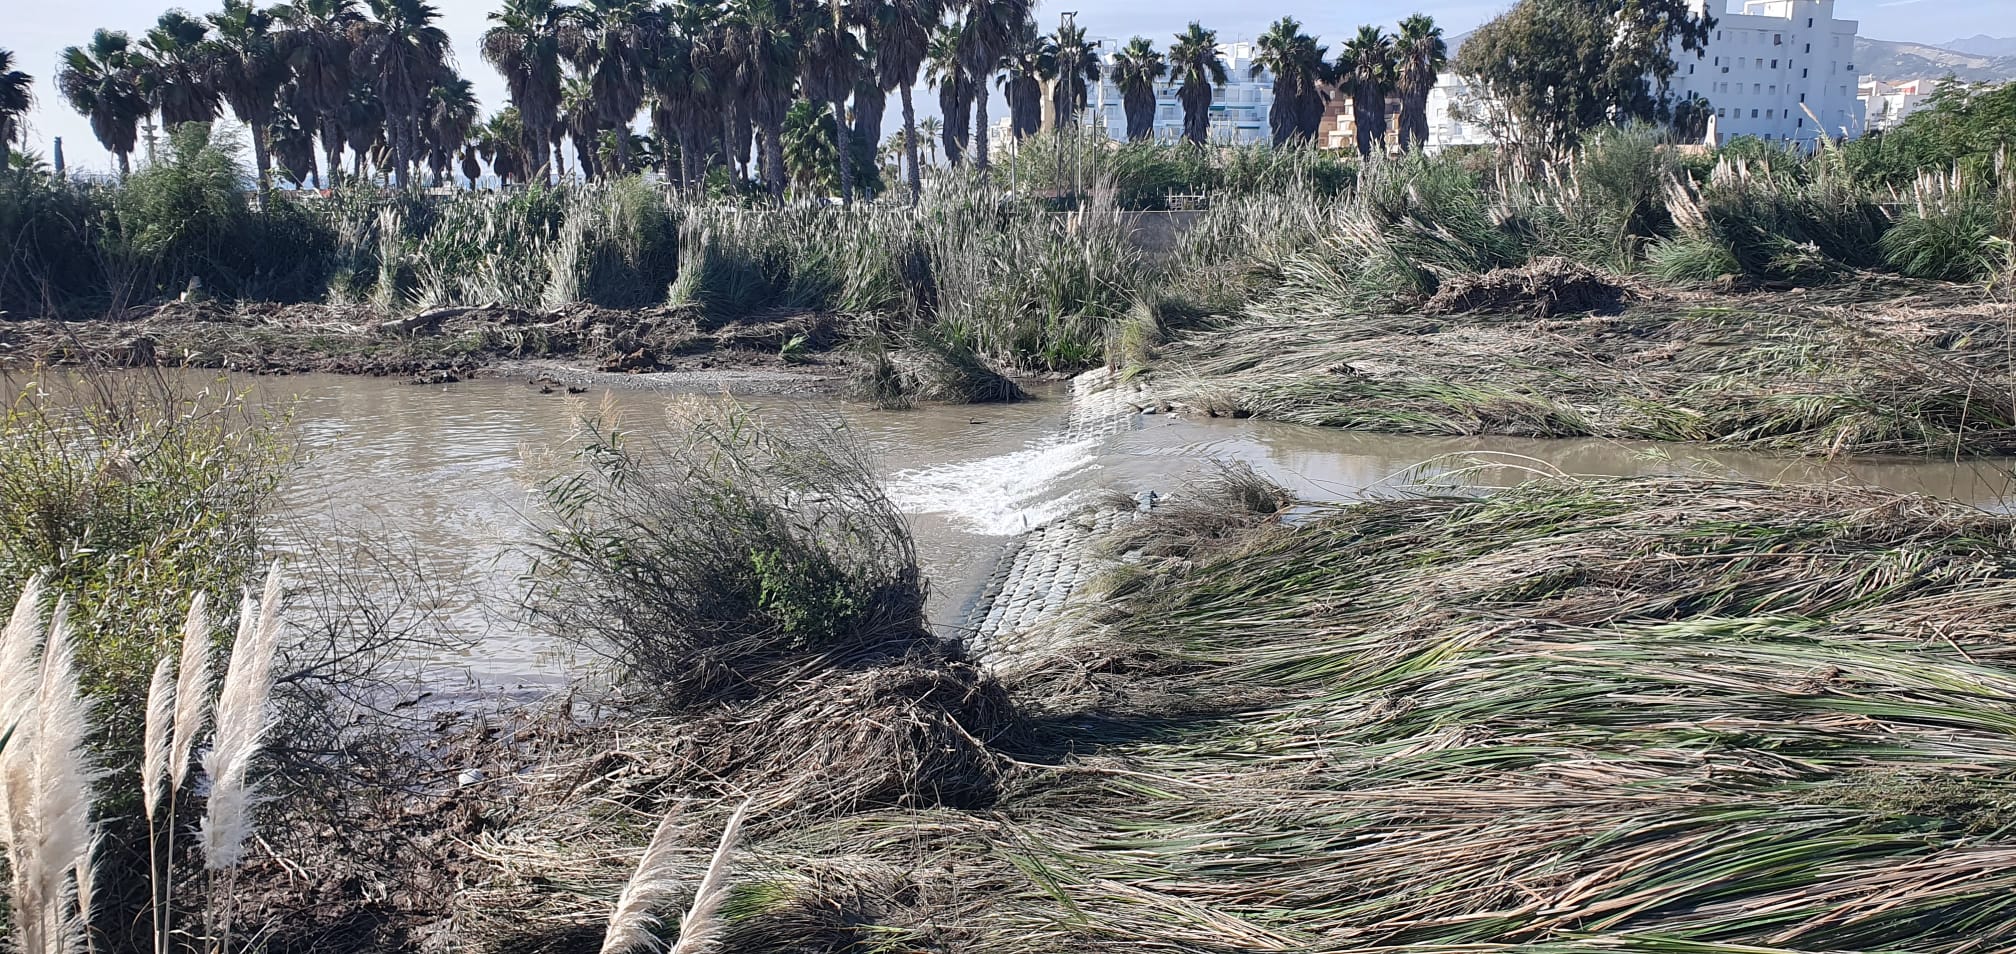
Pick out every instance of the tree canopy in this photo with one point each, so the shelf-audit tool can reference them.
(1562, 67)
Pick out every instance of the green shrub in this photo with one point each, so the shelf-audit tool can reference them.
(710, 563)
(132, 495)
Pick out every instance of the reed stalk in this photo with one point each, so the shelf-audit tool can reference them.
(242, 720)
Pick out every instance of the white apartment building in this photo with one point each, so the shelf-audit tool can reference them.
(1886, 104)
(1779, 70)
(1238, 109)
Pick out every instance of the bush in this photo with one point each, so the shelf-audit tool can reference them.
(126, 491)
(714, 564)
(1956, 228)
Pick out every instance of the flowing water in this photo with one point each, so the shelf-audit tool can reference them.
(441, 479)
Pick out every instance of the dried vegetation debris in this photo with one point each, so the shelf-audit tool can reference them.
(1542, 288)
(357, 339)
(909, 733)
(1811, 373)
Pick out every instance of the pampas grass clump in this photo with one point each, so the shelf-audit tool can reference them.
(45, 780)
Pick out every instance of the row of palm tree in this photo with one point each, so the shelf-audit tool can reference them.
(381, 84)
(714, 79)
(1372, 67)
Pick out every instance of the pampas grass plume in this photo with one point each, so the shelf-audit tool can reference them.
(631, 923)
(192, 690)
(49, 796)
(157, 736)
(242, 722)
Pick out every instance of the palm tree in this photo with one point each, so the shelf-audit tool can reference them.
(613, 47)
(501, 141)
(991, 27)
(317, 38)
(1422, 54)
(175, 70)
(524, 48)
(17, 96)
(581, 118)
(101, 82)
(451, 114)
(1025, 65)
(1195, 65)
(293, 138)
(831, 61)
(1299, 66)
(247, 69)
(901, 31)
(760, 40)
(1137, 70)
(403, 56)
(809, 148)
(1077, 67)
(1366, 68)
(361, 123)
(682, 94)
(929, 128)
(955, 91)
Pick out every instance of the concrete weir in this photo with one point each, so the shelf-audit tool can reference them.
(1024, 605)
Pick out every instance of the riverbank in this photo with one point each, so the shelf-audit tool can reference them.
(1882, 367)
(580, 345)
(1630, 715)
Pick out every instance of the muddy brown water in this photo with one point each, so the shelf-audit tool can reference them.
(443, 476)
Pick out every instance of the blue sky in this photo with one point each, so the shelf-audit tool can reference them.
(39, 30)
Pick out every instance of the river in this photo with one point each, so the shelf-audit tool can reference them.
(442, 479)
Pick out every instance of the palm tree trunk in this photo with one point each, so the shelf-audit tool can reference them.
(980, 125)
(773, 160)
(843, 140)
(910, 147)
(125, 166)
(688, 174)
(260, 161)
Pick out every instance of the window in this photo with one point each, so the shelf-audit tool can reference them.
(1809, 22)
(1767, 137)
(1802, 74)
(1774, 89)
(1802, 97)
(1724, 113)
(1809, 47)
(1774, 64)
(1756, 88)
(1690, 69)
(1753, 114)
(1777, 39)
(1802, 123)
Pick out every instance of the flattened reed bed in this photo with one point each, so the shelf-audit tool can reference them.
(1653, 715)
(1812, 374)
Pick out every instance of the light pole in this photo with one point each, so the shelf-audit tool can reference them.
(1067, 73)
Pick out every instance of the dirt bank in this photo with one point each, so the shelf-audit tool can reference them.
(443, 345)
